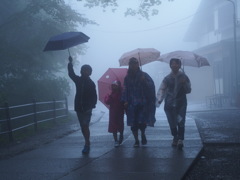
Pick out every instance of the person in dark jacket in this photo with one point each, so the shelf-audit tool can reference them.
(85, 99)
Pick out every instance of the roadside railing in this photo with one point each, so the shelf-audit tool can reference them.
(218, 101)
(15, 118)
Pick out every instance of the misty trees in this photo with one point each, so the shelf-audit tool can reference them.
(145, 8)
(26, 71)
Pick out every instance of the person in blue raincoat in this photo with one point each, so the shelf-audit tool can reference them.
(139, 100)
(173, 89)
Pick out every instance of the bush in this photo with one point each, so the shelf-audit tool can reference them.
(20, 91)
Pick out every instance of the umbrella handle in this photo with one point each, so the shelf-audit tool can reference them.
(183, 70)
(69, 52)
(139, 61)
(183, 65)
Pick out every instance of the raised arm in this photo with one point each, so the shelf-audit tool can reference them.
(71, 72)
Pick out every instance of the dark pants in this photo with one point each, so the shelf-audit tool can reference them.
(176, 118)
(84, 118)
(140, 127)
(138, 113)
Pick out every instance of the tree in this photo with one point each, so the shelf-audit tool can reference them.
(26, 72)
(145, 9)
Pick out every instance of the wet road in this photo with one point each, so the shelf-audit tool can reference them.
(62, 158)
(220, 133)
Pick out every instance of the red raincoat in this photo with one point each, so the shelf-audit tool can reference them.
(116, 112)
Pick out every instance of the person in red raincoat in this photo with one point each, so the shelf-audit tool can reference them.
(116, 112)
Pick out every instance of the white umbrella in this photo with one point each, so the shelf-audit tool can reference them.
(187, 58)
(144, 56)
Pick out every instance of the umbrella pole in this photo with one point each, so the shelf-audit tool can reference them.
(139, 60)
(69, 52)
(183, 65)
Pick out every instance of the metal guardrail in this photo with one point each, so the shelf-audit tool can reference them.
(218, 101)
(14, 118)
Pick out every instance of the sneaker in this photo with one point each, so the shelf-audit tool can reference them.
(86, 149)
(144, 140)
(120, 139)
(174, 142)
(180, 144)
(136, 144)
(116, 144)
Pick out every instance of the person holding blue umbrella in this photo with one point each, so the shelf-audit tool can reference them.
(85, 99)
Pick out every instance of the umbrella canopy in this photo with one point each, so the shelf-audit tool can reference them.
(65, 41)
(104, 83)
(144, 56)
(187, 58)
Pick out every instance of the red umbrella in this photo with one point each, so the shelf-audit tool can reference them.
(104, 83)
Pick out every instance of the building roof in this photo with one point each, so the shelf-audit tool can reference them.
(200, 20)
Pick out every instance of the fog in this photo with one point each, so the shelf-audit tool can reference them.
(117, 34)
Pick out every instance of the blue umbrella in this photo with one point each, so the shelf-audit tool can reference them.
(65, 41)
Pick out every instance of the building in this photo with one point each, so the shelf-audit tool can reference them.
(216, 30)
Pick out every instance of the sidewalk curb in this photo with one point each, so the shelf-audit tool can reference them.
(198, 156)
(209, 110)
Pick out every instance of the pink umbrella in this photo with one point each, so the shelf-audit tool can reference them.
(144, 56)
(104, 83)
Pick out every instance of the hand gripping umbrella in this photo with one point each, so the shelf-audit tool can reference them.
(65, 41)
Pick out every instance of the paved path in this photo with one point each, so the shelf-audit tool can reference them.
(63, 160)
(220, 132)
